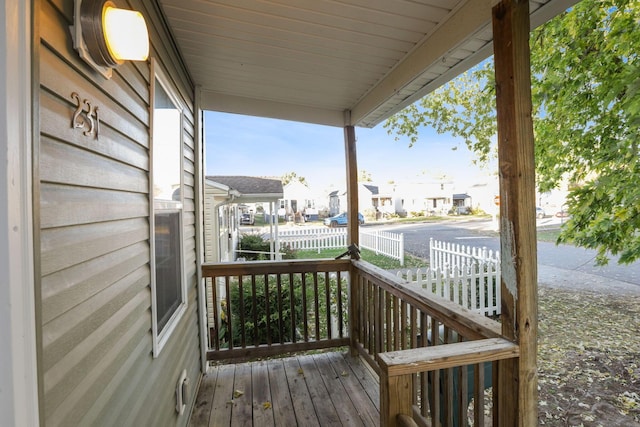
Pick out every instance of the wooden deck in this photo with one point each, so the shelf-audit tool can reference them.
(327, 389)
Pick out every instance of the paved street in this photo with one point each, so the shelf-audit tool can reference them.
(558, 266)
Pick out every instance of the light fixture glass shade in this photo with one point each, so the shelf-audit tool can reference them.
(125, 33)
(106, 36)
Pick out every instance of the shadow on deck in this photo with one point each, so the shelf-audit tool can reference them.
(323, 389)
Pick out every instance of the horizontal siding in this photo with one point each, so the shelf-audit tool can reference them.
(64, 205)
(94, 238)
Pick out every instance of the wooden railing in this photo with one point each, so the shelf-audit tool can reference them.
(432, 355)
(266, 308)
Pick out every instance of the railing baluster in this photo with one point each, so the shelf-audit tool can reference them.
(316, 315)
(327, 294)
(305, 315)
(241, 310)
(254, 309)
(268, 309)
(227, 287)
(339, 304)
(292, 307)
(215, 334)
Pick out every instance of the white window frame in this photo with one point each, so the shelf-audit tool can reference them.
(160, 338)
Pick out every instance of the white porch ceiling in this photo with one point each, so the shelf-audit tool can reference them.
(331, 62)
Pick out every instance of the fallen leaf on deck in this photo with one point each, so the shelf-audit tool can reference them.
(237, 393)
(266, 405)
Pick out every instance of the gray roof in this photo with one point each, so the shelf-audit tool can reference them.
(372, 188)
(251, 188)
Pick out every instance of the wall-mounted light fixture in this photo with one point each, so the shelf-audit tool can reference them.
(106, 36)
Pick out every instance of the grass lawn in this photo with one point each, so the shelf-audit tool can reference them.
(381, 261)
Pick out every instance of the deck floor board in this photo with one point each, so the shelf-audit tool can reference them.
(328, 389)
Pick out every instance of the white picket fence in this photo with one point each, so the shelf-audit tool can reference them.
(448, 255)
(319, 238)
(466, 275)
(473, 286)
(384, 242)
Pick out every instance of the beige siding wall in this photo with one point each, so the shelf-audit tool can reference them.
(96, 350)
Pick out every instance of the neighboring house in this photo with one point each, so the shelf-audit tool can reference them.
(298, 201)
(240, 192)
(425, 198)
(220, 221)
(367, 197)
(462, 203)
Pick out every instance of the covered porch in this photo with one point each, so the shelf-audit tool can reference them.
(431, 357)
(397, 355)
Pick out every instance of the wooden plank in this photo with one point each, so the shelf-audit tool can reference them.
(325, 411)
(447, 356)
(336, 392)
(283, 412)
(367, 378)
(221, 405)
(517, 386)
(274, 267)
(395, 399)
(300, 396)
(241, 409)
(363, 403)
(263, 402)
(202, 409)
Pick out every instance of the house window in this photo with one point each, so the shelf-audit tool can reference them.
(168, 291)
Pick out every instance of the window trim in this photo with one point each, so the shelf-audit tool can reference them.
(160, 338)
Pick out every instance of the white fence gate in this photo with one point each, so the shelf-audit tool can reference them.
(468, 276)
(319, 238)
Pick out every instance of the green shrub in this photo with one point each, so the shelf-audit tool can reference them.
(250, 309)
(253, 247)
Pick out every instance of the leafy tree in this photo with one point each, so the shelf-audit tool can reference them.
(364, 176)
(586, 103)
(292, 177)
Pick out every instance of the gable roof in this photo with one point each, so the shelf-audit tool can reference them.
(250, 188)
(355, 62)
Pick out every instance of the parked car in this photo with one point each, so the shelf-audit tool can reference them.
(540, 213)
(247, 219)
(341, 220)
(562, 214)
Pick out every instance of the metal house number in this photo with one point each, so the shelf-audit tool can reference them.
(85, 117)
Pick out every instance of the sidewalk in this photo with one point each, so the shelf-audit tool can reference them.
(559, 278)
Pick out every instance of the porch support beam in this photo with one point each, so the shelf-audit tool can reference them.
(352, 185)
(517, 378)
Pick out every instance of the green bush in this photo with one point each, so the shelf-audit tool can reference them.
(253, 247)
(248, 306)
(250, 309)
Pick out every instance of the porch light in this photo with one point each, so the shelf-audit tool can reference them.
(106, 36)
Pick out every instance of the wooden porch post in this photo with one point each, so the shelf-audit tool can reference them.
(352, 185)
(352, 229)
(517, 379)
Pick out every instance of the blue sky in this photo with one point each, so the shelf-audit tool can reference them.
(242, 145)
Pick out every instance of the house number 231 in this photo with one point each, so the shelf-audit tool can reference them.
(85, 117)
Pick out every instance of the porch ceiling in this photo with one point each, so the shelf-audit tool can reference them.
(315, 60)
